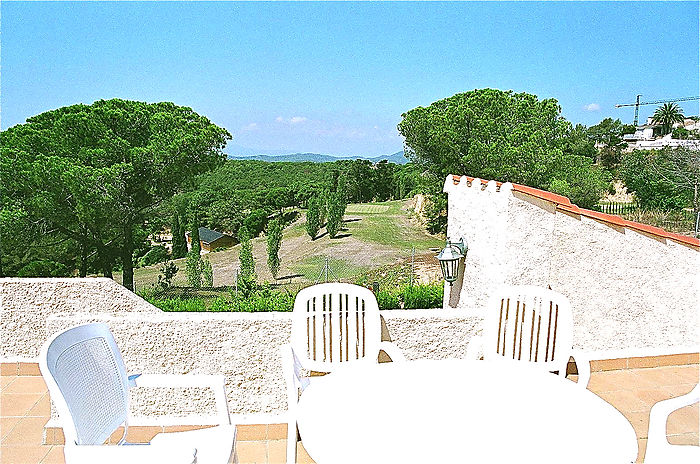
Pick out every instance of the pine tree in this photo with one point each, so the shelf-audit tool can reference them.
(245, 256)
(313, 217)
(274, 241)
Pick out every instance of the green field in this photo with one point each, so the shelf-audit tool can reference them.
(374, 235)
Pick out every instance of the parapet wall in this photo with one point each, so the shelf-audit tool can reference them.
(244, 347)
(26, 304)
(629, 287)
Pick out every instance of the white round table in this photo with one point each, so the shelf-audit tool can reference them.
(453, 411)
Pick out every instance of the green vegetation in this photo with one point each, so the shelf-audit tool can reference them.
(411, 297)
(313, 217)
(499, 135)
(84, 180)
(666, 179)
(666, 115)
(245, 255)
(274, 240)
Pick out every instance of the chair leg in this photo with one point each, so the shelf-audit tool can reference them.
(291, 441)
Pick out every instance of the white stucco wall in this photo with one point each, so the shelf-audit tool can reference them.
(628, 291)
(25, 305)
(244, 347)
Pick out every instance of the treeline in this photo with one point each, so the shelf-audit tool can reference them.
(247, 193)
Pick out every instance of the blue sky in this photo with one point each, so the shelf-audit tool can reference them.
(335, 78)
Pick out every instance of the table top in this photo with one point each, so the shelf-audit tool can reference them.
(458, 411)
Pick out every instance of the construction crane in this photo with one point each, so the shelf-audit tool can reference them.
(655, 102)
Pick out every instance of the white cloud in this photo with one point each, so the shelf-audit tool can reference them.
(250, 127)
(592, 107)
(293, 120)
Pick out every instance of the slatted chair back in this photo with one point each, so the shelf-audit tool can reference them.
(529, 324)
(87, 381)
(334, 325)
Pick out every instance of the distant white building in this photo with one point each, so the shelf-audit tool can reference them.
(647, 136)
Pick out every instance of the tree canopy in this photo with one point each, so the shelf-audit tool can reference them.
(90, 174)
(502, 135)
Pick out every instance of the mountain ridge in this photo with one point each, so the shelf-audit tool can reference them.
(397, 158)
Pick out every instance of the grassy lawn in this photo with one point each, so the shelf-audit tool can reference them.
(374, 235)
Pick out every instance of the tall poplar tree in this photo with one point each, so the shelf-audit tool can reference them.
(274, 241)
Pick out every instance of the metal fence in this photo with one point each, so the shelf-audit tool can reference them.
(408, 268)
(618, 208)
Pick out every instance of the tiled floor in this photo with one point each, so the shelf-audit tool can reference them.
(25, 408)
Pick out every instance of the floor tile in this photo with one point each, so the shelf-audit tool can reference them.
(251, 452)
(680, 389)
(29, 431)
(54, 456)
(624, 401)
(18, 404)
(23, 454)
(302, 456)
(611, 380)
(277, 431)
(254, 432)
(683, 420)
(42, 408)
(276, 451)
(7, 424)
(640, 422)
(5, 381)
(684, 439)
(642, 444)
(27, 385)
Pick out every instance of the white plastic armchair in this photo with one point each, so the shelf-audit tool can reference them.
(659, 450)
(334, 325)
(529, 324)
(89, 386)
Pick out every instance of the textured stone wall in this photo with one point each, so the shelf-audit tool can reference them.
(25, 304)
(628, 290)
(244, 347)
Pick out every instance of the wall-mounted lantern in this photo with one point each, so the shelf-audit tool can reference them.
(450, 257)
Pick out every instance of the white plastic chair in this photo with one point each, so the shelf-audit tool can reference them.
(659, 450)
(334, 326)
(533, 325)
(87, 381)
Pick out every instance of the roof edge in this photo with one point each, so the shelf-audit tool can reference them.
(564, 204)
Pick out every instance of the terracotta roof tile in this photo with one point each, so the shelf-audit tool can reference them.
(564, 204)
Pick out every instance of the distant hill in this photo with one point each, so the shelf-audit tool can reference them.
(397, 158)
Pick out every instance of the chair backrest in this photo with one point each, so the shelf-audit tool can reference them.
(529, 324)
(87, 382)
(335, 324)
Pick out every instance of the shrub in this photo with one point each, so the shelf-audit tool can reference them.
(388, 300)
(167, 272)
(207, 273)
(156, 254)
(422, 296)
(44, 268)
(193, 268)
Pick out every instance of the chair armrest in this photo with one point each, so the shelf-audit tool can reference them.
(217, 383)
(393, 351)
(657, 443)
(583, 366)
(475, 348)
(292, 368)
